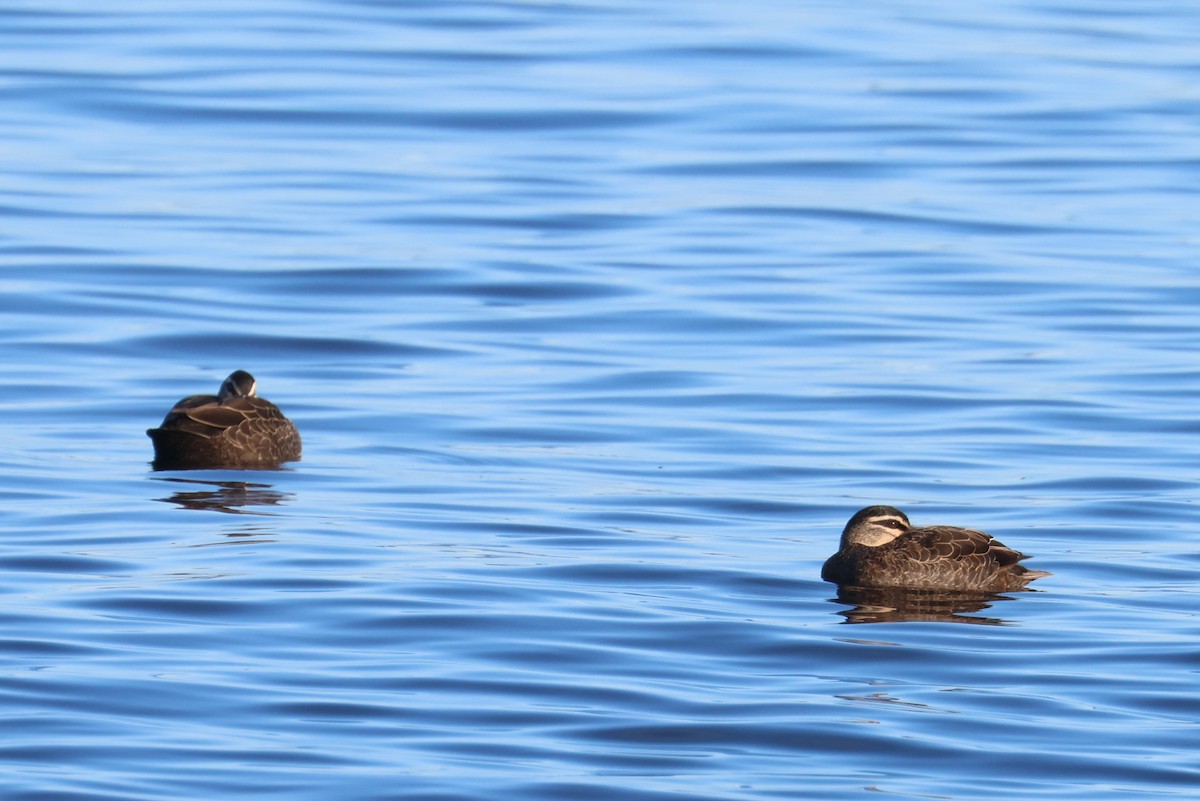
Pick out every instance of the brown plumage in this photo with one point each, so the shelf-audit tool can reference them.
(233, 428)
(880, 548)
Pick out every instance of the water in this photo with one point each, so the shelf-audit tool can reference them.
(598, 320)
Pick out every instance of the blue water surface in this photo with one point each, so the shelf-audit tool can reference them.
(598, 320)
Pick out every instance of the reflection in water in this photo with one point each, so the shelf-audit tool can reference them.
(231, 497)
(894, 605)
(883, 698)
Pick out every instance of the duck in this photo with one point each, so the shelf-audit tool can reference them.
(881, 548)
(234, 429)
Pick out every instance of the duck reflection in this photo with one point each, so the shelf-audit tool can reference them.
(892, 605)
(230, 497)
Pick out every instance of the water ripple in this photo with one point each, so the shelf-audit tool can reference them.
(599, 320)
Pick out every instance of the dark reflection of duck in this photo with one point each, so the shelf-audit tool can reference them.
(232, 429)
(231, 497)
(896, 604)
(880, 548)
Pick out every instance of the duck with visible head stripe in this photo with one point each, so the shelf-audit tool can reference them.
(880, 548)
(233, 429)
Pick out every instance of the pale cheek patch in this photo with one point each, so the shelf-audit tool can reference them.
(879, 534)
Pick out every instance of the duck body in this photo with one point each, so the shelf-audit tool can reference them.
(880, 548)
(234, 428)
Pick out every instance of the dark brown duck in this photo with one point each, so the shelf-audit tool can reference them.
(234, 428)
(880, 548)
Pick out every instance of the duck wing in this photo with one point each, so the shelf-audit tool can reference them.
(205, 416)
(250, 423)
(965, 545)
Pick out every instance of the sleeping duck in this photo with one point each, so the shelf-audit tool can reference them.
(234, 428)
(880, 548)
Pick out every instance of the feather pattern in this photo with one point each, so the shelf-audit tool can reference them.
(879, 548)
(234, 428)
